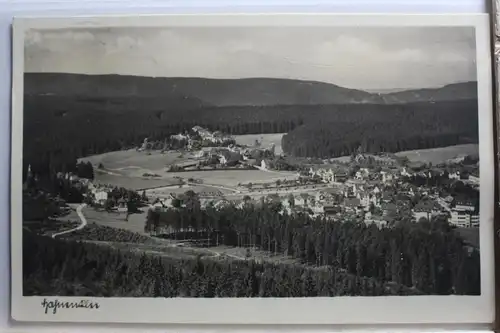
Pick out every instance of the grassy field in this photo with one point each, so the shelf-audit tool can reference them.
(133, 183)
(232, 178)
(50, 227)
(265, 139)
(132, 158)
(203, 191)
(440, 155)
(240, 253)
(170, 248)
(126, 168)
(135, 222)
(434, 155)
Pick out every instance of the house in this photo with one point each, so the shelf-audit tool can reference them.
(352, 205)
(464, 214)
(329, 195)
(386, 176)
(386, 197)
(465, 205)
(229, 158)
(406, 173)
(362, 173)
(329, 211)
(474, 179)
(389, 209)
(353, 186)
(463, 219)
(177, 137)
(329, 175)
(364, 199)
(121, 203)
(377, 220)
(426, 210)
(101, 197)
(200, 154)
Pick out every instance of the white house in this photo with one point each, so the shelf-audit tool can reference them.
(364, 199)
(405, 173)
(101, 196)
(464, 215)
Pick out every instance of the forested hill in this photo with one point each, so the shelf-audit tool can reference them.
(386, 128)
(200, 92)
(460, 91)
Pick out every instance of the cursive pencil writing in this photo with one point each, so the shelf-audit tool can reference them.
(54, 305)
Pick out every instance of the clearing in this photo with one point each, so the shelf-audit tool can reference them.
(266, 140)
(126, 169)
(433, 155)
(133, 183)
(231, 178)
(440, 155)
(135, 222)
(170, 248)
(132, 160)
(202, 191)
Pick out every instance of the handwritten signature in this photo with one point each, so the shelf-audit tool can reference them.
(54, 305)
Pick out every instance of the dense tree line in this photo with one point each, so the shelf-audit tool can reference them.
(58, 267)
(108, 234)
(430, 257)
(447, 187)
(405, 127)
(85, 170)
(61, 129)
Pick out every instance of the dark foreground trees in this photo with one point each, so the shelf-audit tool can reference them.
(69, 268)
(429, 256)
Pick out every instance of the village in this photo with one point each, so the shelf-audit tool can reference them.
(376, 189)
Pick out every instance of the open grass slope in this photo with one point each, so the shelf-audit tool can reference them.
(266, 140)
(440, 155)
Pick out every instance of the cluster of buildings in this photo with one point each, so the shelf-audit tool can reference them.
(217, 137)
(375, 195)
(465, 214)
(224, 152)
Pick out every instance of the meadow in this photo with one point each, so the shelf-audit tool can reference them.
(234, 177)
(433, 155)
(440, 155)
(135, 222)
(266, 140)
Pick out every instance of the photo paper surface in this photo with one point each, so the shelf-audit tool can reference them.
(253, 169)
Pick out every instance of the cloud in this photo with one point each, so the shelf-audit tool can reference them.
(354, 57)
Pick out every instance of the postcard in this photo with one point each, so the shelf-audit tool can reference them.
(253, 169)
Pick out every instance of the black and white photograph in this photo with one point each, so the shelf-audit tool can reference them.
(250, 161)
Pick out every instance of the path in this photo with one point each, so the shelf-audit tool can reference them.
(83, 222)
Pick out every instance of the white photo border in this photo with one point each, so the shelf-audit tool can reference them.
(384, 310)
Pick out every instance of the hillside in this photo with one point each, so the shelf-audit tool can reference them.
(201, 92)
(385, 128)
(461, 91)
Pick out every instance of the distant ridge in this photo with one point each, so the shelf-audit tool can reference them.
(230, 92)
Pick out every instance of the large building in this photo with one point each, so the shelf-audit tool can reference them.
(464, 215)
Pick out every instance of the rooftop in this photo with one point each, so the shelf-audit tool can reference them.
(352, 202)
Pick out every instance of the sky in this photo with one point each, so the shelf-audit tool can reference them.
(369, 58)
